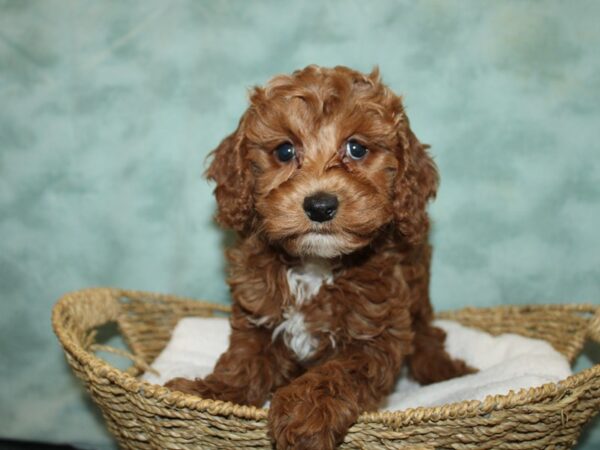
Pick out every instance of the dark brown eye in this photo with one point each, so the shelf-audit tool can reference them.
(285, 152)
(355, 150)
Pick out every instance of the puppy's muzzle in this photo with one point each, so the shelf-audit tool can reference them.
(321, 207)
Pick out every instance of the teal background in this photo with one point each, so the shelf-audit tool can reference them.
(108, 110)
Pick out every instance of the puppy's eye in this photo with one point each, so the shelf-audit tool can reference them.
(285, 152)
(355, 150)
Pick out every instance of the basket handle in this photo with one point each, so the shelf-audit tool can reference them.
(137, 361)
(593, 330)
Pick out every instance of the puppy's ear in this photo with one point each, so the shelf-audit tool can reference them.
(416, 184)
(230, 170)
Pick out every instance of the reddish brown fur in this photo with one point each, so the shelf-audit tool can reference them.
(376, 314)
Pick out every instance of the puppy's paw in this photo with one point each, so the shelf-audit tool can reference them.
(195, 387)
(216, 389)
(302, 419)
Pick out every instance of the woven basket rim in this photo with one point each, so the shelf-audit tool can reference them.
(454, 410)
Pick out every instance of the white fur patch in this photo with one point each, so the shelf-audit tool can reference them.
(304, 283)
(295, 336)
(306, 280)
(323, 245)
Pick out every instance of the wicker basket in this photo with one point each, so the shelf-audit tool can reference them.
(146, 416)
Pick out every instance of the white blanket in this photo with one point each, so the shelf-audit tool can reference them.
(507, 362)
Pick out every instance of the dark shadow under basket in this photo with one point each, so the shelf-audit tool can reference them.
(147, 416)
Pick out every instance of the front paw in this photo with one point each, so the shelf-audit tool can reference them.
(214, 388)
(307, 419)
(195, 387)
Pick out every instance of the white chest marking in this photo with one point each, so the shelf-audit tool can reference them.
(304, 283)
(306, 280)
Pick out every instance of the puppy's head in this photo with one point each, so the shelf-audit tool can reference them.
(321, 162)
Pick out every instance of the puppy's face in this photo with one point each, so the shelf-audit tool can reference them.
(320, 155)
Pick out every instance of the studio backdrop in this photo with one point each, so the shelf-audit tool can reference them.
(109, 109)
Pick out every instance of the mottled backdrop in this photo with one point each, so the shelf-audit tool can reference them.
(109, 108)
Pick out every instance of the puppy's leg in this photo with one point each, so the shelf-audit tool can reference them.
(316, 410)
(245, 374)
(429, 362)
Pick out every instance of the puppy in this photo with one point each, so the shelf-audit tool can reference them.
(326, 186)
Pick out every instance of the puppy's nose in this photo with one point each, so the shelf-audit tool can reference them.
(321, 206)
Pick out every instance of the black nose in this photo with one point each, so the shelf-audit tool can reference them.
(321, 206)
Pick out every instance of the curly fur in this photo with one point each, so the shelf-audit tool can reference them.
(333, 348)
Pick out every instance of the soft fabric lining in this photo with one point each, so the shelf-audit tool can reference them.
(506, 362)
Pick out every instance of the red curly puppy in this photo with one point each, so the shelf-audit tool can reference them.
(326, 187)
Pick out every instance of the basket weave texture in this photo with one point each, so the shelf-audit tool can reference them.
(145, 416)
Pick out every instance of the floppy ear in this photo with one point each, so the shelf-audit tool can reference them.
(416, 184)
(230, 170)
